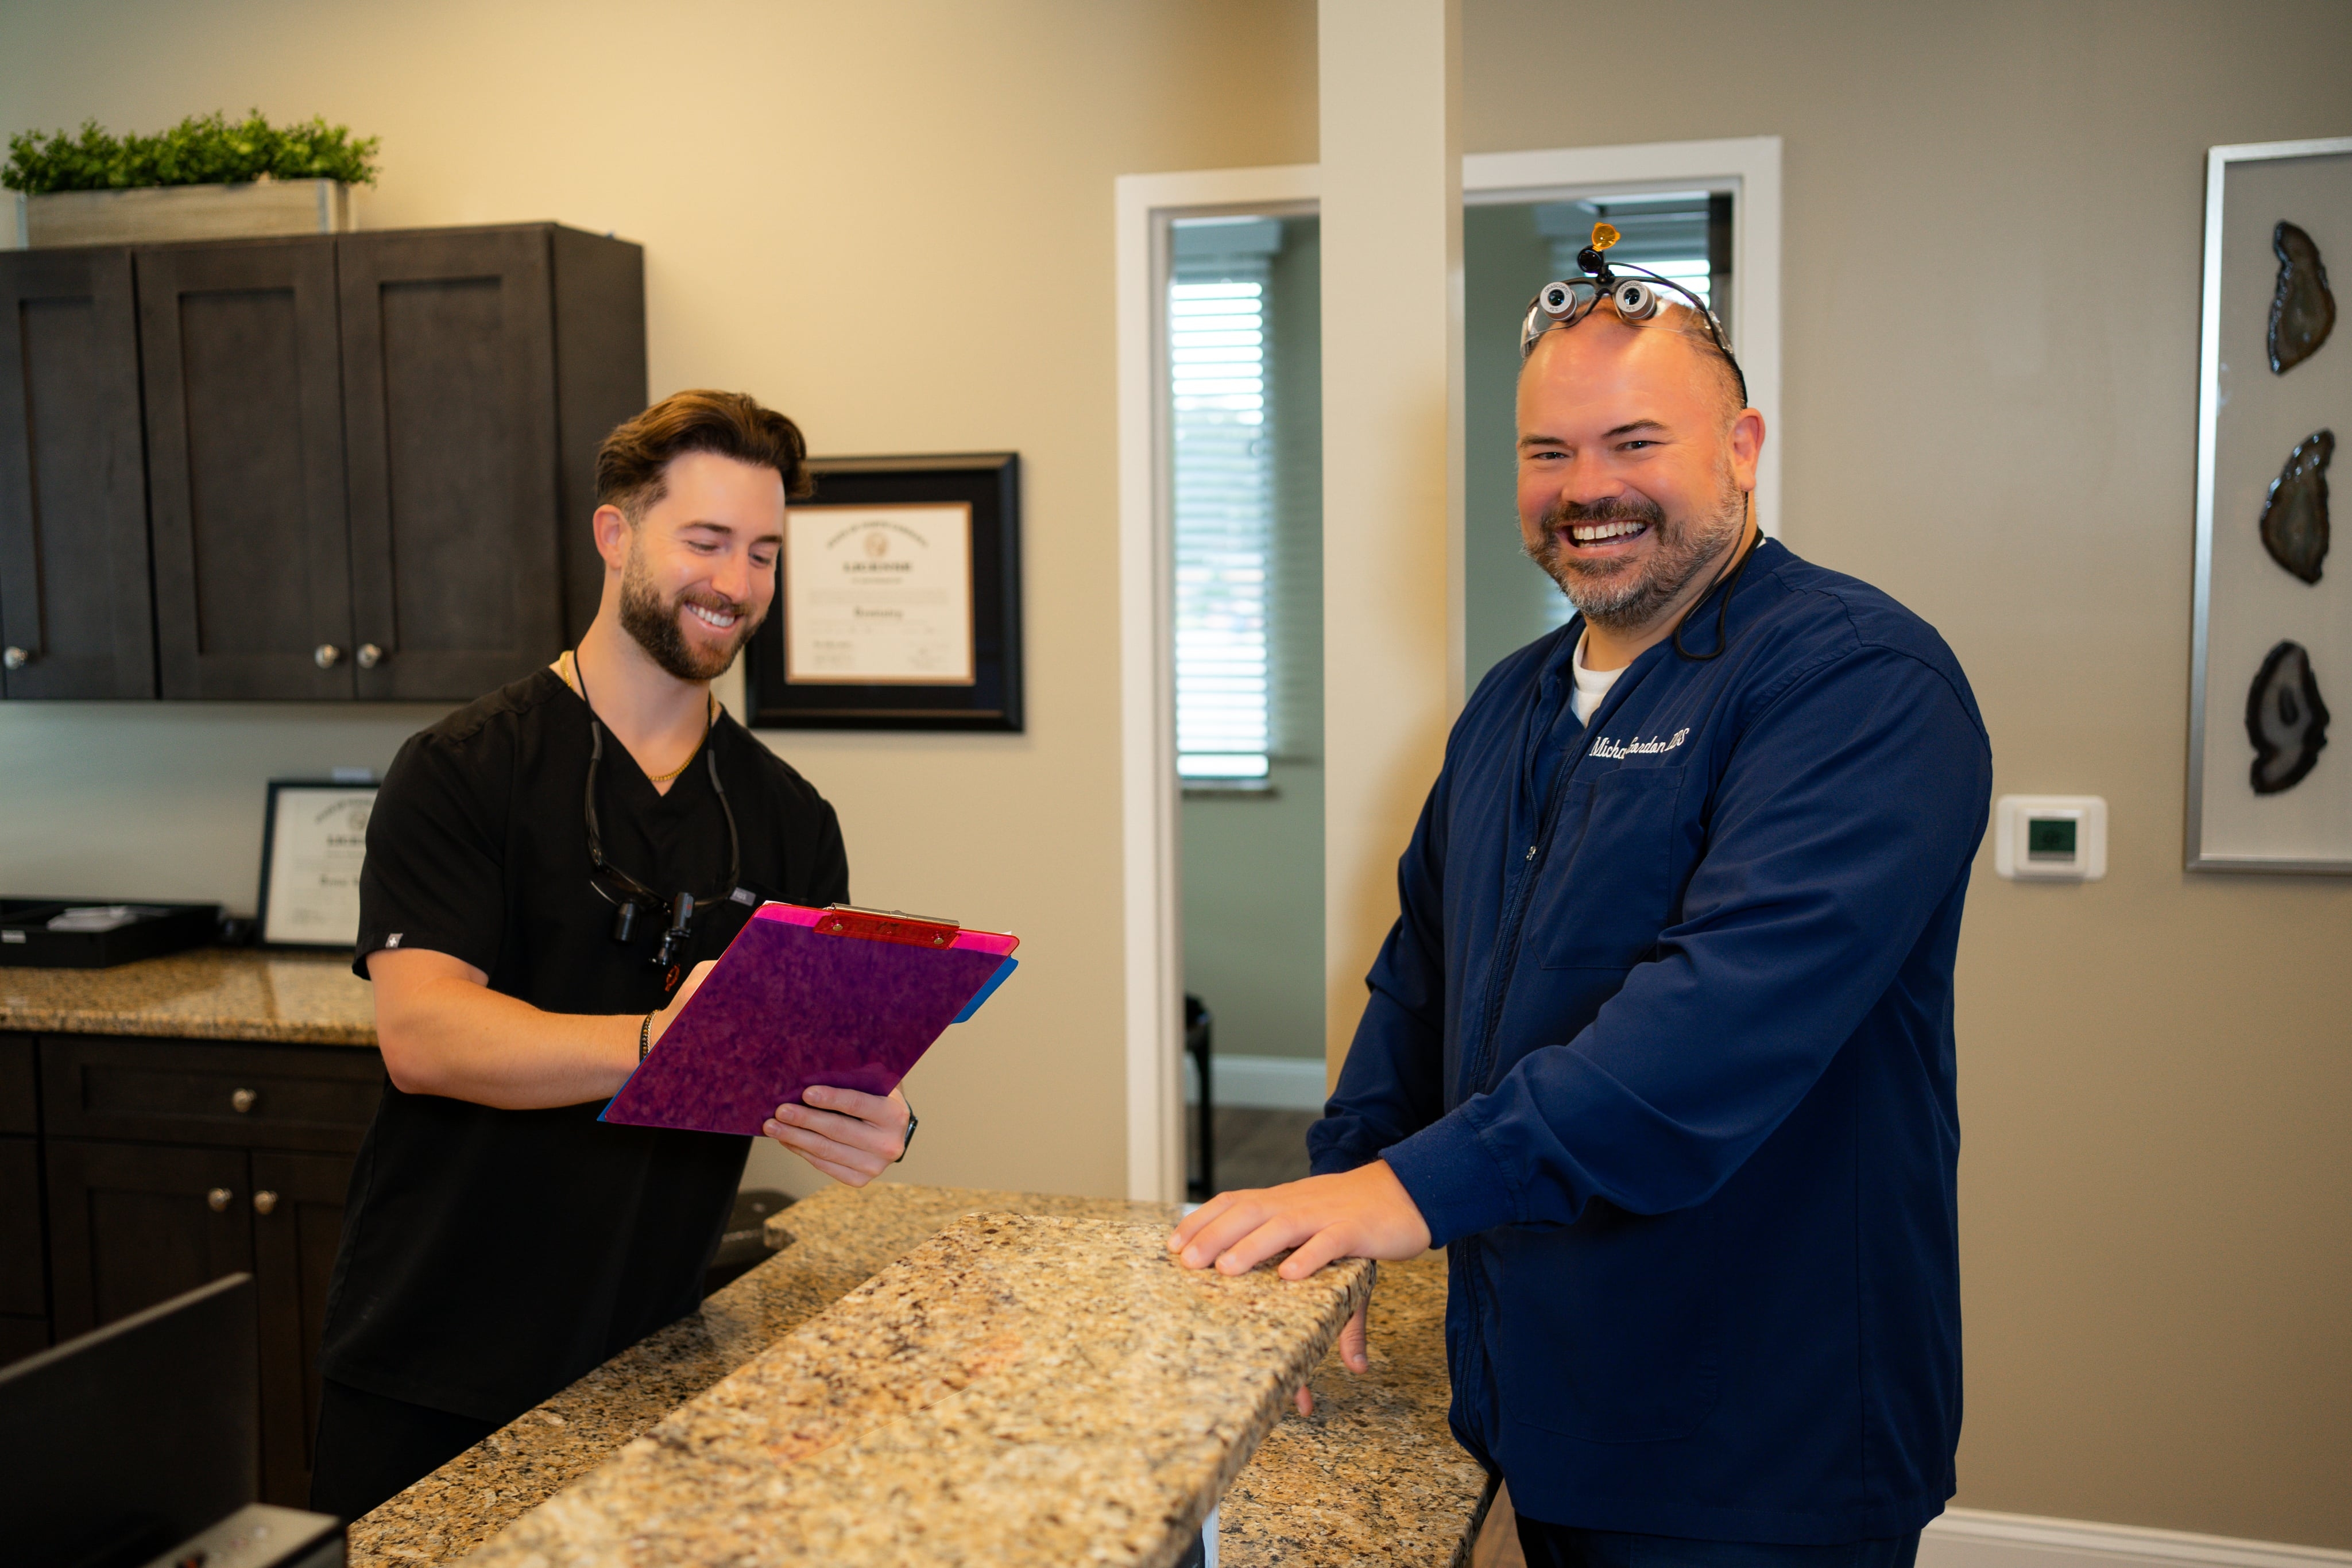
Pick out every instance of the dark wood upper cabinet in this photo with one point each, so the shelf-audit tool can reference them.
(367, 466)
(242, 368)
(449, 414)
(76, 620)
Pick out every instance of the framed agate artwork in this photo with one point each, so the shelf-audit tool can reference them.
(2270, 786)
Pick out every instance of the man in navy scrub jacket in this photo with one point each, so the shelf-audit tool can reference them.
(1660, 1048)
(550, 872)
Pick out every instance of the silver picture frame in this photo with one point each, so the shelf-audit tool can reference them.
(2244, 601)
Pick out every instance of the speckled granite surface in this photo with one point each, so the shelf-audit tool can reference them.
(1372, 1476)
(207, 993)
(1018, 1390)
(843, 1238)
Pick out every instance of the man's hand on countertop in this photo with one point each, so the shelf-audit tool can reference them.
(1363, 1213)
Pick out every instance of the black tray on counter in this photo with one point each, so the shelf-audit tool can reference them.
(27, 942)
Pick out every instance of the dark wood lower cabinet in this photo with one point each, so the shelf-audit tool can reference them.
(131, 1223)
(297, 1223)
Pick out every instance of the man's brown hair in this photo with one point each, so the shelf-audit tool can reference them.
(632, 463)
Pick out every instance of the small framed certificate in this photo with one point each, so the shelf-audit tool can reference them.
(313, 839)
(898, 600)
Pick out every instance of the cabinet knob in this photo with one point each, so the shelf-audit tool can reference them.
(326, 656)
(218, 1198)
(16, 658)
(264, 1201)
(370, 655)
(242, 1100)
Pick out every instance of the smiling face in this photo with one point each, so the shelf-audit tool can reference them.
(1635, 466)
(697, 571)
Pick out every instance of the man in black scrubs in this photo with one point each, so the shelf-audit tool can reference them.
(517, 908)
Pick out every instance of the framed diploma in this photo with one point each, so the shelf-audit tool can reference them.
(313, 839)
(898, 602)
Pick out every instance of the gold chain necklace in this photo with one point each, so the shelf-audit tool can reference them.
(709, 715)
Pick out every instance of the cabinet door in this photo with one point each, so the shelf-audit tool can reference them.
(75, 613)
(132, 1225)
(450, 403)
(244, 443)
(24, 1262)
(298, 1203)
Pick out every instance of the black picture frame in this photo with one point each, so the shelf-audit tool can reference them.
(989, 483)
(279, 933)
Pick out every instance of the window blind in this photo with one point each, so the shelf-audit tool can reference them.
(1224, 496)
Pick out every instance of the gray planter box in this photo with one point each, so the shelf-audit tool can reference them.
(175, 212)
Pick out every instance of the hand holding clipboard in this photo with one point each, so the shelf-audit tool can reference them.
(844, 997)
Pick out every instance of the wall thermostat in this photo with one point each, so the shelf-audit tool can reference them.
(2049, 837)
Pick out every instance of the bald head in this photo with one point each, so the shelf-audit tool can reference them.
(1683, 327)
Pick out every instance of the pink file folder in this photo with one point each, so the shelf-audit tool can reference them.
(791, 1005)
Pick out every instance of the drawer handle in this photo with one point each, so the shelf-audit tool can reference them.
(370, 655)
(326, 656)
(264, 1201)
(243, 1101)
(16, 658)
(218, 1198)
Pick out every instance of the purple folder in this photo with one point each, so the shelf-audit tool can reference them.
(803, 996)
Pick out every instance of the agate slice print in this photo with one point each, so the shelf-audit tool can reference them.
(2294, 518)
(2303, 310)
(2285, 719)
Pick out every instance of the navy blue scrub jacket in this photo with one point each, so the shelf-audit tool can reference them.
(1662, 1046)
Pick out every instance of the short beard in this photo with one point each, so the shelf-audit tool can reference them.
(1619, 597)
(653, 624)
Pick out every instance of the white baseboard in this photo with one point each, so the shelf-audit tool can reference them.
(1263, 1083)
(1974, 1538)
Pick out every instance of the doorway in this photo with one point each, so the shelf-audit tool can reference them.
(1243, 434)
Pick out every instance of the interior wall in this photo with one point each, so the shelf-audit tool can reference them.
(1993, 216)
(891, 220)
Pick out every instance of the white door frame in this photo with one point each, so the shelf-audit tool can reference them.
(1149, 793)
(1154, 967)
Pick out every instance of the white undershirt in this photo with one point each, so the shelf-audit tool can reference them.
(1592, 685)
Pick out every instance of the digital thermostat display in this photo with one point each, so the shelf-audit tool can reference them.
(2049, 837)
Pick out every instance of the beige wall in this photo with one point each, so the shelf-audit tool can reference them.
(1989, 411)
(1993, 216)
(892, 220)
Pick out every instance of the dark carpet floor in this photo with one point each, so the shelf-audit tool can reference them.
(1253, 1147)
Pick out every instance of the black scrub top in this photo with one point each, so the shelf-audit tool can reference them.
(490, 1257)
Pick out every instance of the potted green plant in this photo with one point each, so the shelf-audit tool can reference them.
(205, 178)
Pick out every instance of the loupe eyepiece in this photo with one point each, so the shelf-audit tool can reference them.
(1557, 299)
(1634, 300)
(625, 921)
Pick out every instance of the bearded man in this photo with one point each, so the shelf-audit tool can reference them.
(550, 872)
(1661, 1047)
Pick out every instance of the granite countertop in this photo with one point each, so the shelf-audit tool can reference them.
(207, 993)
(1018, 1390)
(1372, 1476)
